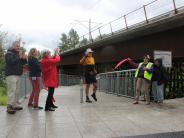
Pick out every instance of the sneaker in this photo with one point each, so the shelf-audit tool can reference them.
(94, 96)
(49, 109)
(147, 103)
(10, 110)
(88, 100)
(18, 108)
(136, 102)
(37, 107)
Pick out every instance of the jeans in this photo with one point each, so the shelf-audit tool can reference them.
(34, 97)
(158, 91)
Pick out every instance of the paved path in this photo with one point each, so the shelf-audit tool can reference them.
(111, 116)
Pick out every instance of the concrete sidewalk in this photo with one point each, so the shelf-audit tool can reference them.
(111, 116)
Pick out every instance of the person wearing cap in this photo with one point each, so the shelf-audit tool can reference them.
(88, 62)
(144, 76)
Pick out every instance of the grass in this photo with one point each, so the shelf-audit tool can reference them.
(3, 96)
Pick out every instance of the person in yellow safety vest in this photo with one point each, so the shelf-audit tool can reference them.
(88, 62)
(144, 75)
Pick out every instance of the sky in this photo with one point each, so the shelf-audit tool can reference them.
(41, 22)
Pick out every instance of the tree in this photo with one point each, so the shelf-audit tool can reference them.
(63, 44)
(68, 41)
(73, 38)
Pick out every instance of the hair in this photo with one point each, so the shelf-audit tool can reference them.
(14, 43)
(159, 61)
(45, 53)
(31, 53)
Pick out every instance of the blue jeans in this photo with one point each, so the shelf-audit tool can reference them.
(158, 92)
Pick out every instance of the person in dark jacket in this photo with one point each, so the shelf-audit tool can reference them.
(34, 74)
(158, 80)
(14, 59)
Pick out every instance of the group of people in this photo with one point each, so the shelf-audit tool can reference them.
(44, 70)
(150, 75)
(147, 74)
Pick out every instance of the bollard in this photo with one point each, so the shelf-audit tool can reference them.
(81, 91)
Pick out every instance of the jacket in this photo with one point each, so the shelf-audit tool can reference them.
(49, 71)
(14, 64)
(160, 75)
(34, 67)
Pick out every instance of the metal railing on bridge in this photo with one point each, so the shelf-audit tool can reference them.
(149, 13)
(68, 80)
(121, 83)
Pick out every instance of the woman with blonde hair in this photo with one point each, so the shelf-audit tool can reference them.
(34, 74)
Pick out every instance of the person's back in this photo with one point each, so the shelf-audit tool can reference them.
(34, 67)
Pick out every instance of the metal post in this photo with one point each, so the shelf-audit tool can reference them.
(81, 90)
(25, 87)
(100, 32)
(144, 7)
(111, 28)
(175, 9)
(125, 22)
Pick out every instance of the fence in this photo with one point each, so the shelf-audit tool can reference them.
(121, 83)
(68, 80)
(151, 12)
(25, 86)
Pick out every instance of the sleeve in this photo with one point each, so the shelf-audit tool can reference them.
(131, 62)
(11, 59)
(150, 70)
(54, 60)
(23, 61)
(82, 61)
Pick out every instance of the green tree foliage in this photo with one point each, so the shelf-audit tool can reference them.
(2, 61)
(68, 41)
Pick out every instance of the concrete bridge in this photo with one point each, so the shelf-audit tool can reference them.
(110, 117)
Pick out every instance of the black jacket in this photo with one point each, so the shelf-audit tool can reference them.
(34, 67)
(160, 75)
(14, 64)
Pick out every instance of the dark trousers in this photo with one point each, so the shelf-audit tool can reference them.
(49, 101)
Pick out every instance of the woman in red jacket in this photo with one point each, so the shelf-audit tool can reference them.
(49, 72)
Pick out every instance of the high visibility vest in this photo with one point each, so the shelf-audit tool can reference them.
(147, 75)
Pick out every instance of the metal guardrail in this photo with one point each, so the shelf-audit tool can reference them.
(121, 83)
(151, 12)
(25, 86)
(68, 80)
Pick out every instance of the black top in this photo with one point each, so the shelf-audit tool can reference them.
(160, 75)
(14, 64)
(34, 67)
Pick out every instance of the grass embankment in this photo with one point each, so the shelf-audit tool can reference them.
(3, 96)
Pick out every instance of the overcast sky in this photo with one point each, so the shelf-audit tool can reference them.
(40, 22)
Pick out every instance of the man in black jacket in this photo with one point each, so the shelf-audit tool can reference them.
(15, 60)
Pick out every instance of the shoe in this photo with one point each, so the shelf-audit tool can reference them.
(49, 109)
(30, 105)
(88, 101)
(54, 106)
(37, 107)
(147, 103)
(136, 102)
(10, 110)
(18, 108)
(94, 96)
